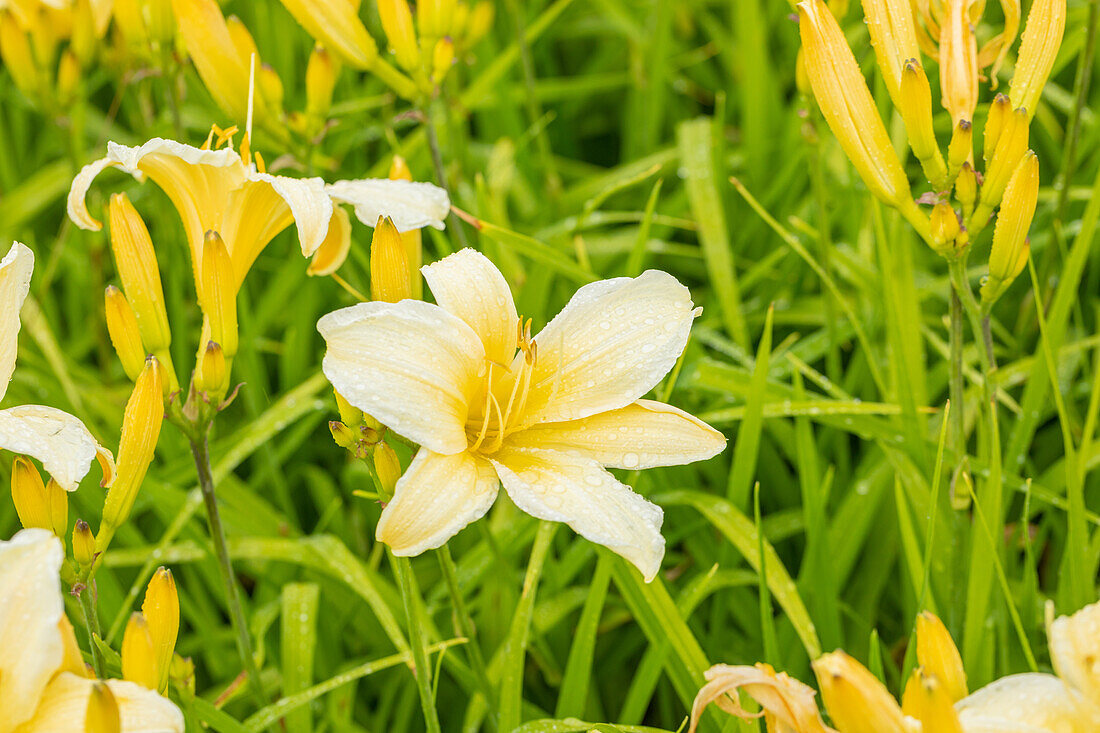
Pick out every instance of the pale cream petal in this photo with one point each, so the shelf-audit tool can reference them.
(642, 435)
(1075, 649)
(76, 204)
(411, 365)
(578, 491)
(140, 710)
(15, 283)
(470, 286)
(31, 644)
(1041, 701)
(56, 438)
(435, 498)
(410, 204)
(612, 343)
(309, 204)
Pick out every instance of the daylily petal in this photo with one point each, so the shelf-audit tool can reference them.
(31, 644)
(435, 498)
(56, 438)
(1074, 649)
(578, 491)
(1022, 700)
(411, 365)
(642, 435)
(468, 285)
(15, 283)
(410, 204)
(334, 250)
(610, 345)
(789, 702)
(140, 710)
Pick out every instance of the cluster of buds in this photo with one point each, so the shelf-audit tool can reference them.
(47, 47)
(363, 437)
(963, 198)
(424, 48)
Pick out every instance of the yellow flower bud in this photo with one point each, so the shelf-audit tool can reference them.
(161, 609)
(961, 147)
(336, 24)
(321, 73)
(122, 328)
(434, 17)
(83, 40)
(915, 105)
(388, 469)
(242, 40)
(83, 544)
(38, 505)
(479, 24)
(219, 293)
(857, 701)
(1010, 149)
(102, 715)
(966, 189)
(141, 425)
(847, 105)
(894, 37)
(160, 22)
(958, 61)
(460, 18)
(945, 228)
(335, 247)
(211, 377)
(136, 262)
(999, 110)
(139, 660)
(926, 700)
(15, 51)
(443, 58)
(349, 413)
(397, 22)
(68, 77)
(1046, 22)
(270, 86)
(216, 56)
(1009, 252)
(129, 19)
(342, 435)
(939, 657)
(71, 658)
(414, 248)
(389, 265)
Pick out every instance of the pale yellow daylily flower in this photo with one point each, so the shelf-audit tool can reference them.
(544, 416)
(57, 439)
(43, 687)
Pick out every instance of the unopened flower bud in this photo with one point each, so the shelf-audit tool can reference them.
(68, 77)
(961, 147)
(212, 373)
(141, 425)
(83, 544)
(479, 24)
(335, 247)
(102, 714)
(37, 504)
(270, 86)
(1046, 22)
(388, 469)
(966, 189)
(215, 54)
(336, 24)
(397, 22)
(443, 57)
(945, 228)
(389, 264)
(999, 110)
(242, 40)
(15, 51)
(915, 105)
(939, 657)
(926, 700)
(350, 414)
(894, 37)
(139, 662)
(136, 262)
(1009, 252)
(344, 436)
(161, 609)
(1010, 149)
(321, 73)
(219, 293)
(857, 701)
(414, 248)
(83, 40)
(123, 330)
(958, 61)
(434, 17)
(847, 105)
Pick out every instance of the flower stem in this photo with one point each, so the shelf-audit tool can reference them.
(421, 669)
(200, 449)
(441, 173)
(957, 386)
(466, 627)
(86, 596)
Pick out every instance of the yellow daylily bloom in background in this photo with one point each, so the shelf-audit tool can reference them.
(57, 439)
(43, 687)
(544, 416)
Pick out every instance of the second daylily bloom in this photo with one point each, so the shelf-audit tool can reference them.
(56, 438)
(544, 416)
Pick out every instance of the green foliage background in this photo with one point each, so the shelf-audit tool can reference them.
(602, 144)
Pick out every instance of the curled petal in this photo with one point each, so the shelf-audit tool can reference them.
(435, 499)
(15, 283)
(789, 702)
(410, 204)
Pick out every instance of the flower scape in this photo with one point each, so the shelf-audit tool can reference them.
(539, 367)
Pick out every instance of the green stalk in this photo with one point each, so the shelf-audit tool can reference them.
(421, 669)
(466, 627)
(441, 175)
(86, 596)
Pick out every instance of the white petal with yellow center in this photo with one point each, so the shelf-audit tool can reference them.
(1041, 701)
(645, 434)
(410, 204)
(31, 644)
(411, 365)
(15, 283)
(436, 497)
(576, 490)
(468, 285)
(65, 703)
(610, 345)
